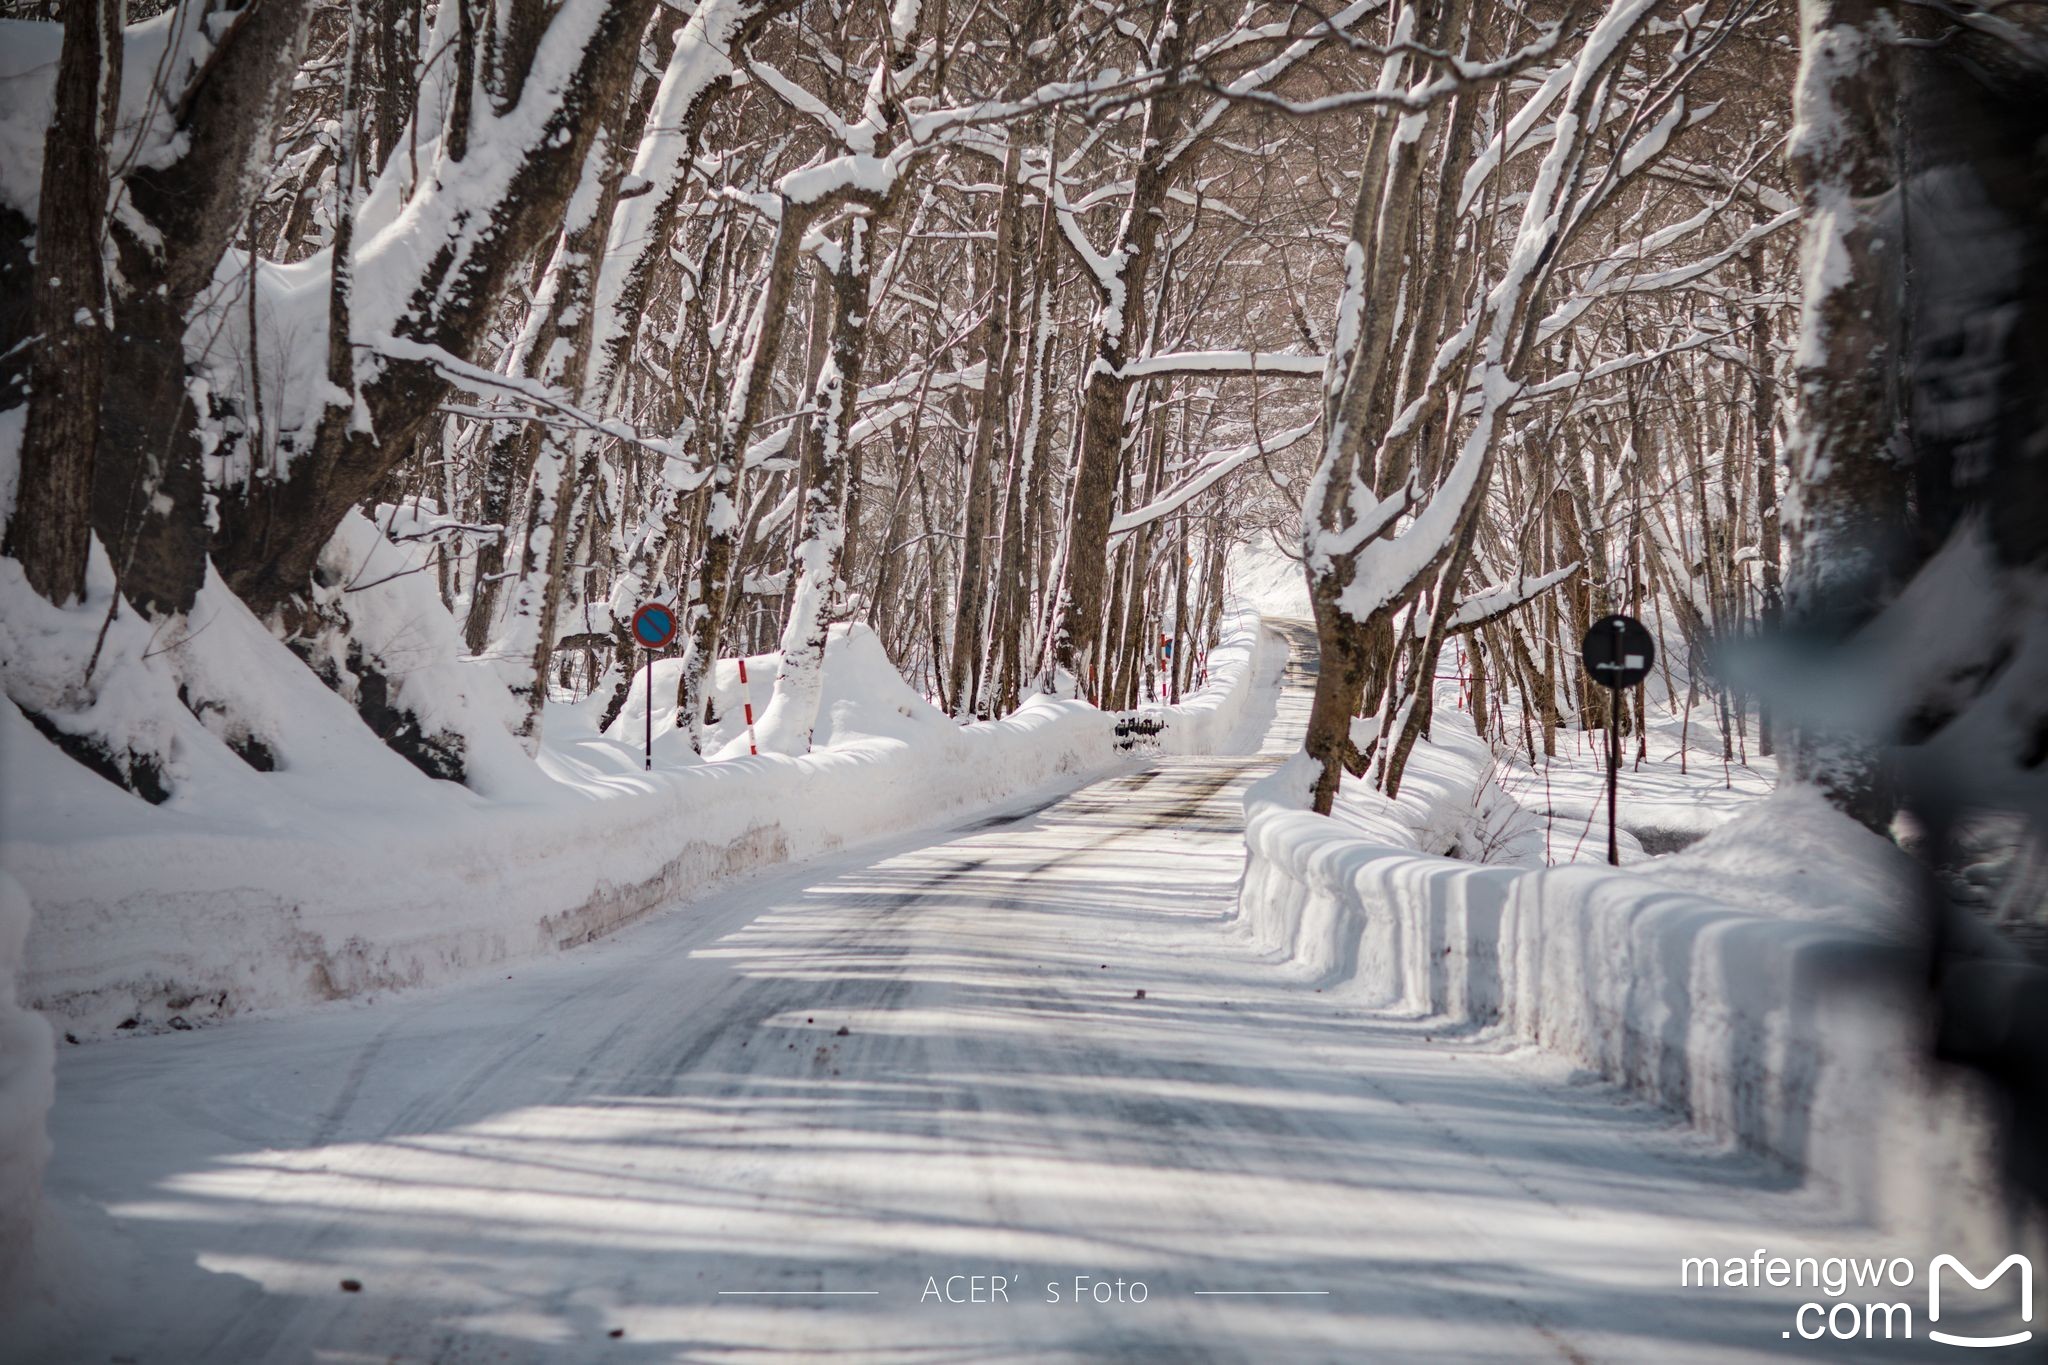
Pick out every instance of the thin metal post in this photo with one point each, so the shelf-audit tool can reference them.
(650, 710)
(1613, 771)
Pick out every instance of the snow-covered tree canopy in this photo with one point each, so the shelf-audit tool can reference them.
(430, 331)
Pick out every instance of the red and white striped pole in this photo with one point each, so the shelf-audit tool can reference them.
(747, 702)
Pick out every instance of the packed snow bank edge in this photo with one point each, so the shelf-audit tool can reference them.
(27, 1087)
(1804, 1040)
(165, 923)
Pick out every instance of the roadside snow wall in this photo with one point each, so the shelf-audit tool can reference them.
(27, 1085)
(355, 874)
(1800, 1038)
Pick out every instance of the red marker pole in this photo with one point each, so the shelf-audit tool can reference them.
(747, 705)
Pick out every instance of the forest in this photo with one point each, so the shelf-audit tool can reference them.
(991, 331)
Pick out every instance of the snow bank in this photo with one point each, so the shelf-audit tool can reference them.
(27, 1086)
(346, 871)
(1213, 719)
(1758, 984)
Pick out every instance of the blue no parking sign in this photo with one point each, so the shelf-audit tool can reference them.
(654, 625)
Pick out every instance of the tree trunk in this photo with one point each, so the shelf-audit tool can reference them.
(792, 712)
(469, 259)
(1103, 387)
(961, 680)
(706, 613)
(1847, 532)
(51, 531)
(179, 218)
(1763, 404)
(567, 463)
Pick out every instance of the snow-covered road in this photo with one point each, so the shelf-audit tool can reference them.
(775, 1124)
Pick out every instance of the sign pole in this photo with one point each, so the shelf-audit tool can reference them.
(1613, 771)
(1618, 651)
(650, 710)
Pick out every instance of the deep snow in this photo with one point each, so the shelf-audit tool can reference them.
(754, 1129)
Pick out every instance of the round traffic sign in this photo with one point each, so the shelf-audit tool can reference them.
(1618, 651)
(654, 625)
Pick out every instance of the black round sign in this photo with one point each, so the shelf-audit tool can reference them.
(1618, 651)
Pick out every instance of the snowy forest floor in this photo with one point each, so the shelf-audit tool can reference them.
(1036, 1045)
(1485, 801)
(1678, 789)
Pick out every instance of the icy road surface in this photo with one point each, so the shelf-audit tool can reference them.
(773, 1125)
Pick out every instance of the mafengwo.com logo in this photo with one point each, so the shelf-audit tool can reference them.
(2012, 1262)
(1878, 1299)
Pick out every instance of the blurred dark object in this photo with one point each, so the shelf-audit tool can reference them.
(1968, 634)
(1990, 1001)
